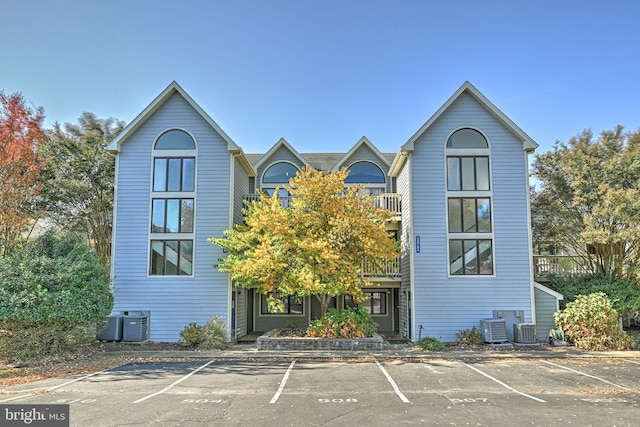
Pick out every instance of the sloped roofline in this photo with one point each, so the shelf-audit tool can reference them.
(528, 144)
(362, 141)
(281, 143)
(159, 100)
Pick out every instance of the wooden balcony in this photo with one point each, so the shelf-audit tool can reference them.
(391, 270)
(559, 265)
(389, 201)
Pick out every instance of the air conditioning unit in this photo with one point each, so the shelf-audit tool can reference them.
(136, 326)
(524, 333)
(493, 330)
(110, 329)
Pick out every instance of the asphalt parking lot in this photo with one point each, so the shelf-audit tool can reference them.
(514, 392)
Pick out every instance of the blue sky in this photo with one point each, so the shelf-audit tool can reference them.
(323, 73)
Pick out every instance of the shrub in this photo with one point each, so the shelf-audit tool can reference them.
(51, 291)
(348, 323)
(191, 335)
(210, 336)
(624, 293)
(430, 344)
(214, 334)
(471, 336)
(591, 323)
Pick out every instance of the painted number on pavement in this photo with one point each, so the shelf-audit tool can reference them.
(470, 400)
(68, 401)
(350, 400)
(202, 401)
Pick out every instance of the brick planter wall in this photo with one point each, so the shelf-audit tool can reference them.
(267, 342)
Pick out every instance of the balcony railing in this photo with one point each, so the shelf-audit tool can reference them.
(391, 269)
(389, 201)
(559, 265)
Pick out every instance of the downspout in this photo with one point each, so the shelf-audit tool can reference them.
(411, 249)
(232, 180)
(527, 151)
(114, 216)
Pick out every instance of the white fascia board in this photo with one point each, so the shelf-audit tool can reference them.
(158, 101)
(281, 143)
(549, 291)
(528, 144)
(362, 141)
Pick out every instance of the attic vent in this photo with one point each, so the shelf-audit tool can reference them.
(493, 330)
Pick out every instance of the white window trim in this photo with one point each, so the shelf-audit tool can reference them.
(469, 152)
(172, 195)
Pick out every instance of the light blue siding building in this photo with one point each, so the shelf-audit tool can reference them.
(459, 187)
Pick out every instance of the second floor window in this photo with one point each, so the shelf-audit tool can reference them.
(469, 208)
(171, 233)
(174, 173)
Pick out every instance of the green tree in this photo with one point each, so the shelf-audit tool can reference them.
(589, 200)
(78, 179)
(316, 246)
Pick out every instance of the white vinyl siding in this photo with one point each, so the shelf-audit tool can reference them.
(175, 301)
(444, 305)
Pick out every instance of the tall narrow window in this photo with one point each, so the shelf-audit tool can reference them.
(469, 211)
(172, 205)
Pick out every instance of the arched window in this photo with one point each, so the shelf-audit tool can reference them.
(173, 205)
(469, 207)
(367, 174)
(364, 173)
(467, 138)
(279, 173)
(175, 140)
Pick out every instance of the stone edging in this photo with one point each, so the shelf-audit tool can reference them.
(267, 342)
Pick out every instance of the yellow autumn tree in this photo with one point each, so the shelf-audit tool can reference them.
(315, 246)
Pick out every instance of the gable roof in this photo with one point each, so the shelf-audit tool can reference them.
(528, 144)
(281, 143)
(174, 87)
(362, 141)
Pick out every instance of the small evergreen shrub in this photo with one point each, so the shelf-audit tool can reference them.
(430, 344)
(191, 335)
(348, 323)
(210, 336)
(591, 323)
(471, 336)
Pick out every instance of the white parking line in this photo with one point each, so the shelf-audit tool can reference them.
(275, 397)
(633, 361)
(169, 387)
(586, 375)
(393, 383)
(51, 388)
(16, 398)
(508, 387)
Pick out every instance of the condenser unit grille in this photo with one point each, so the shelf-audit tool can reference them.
(135, 328)
(493, 330)
(524, 333)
